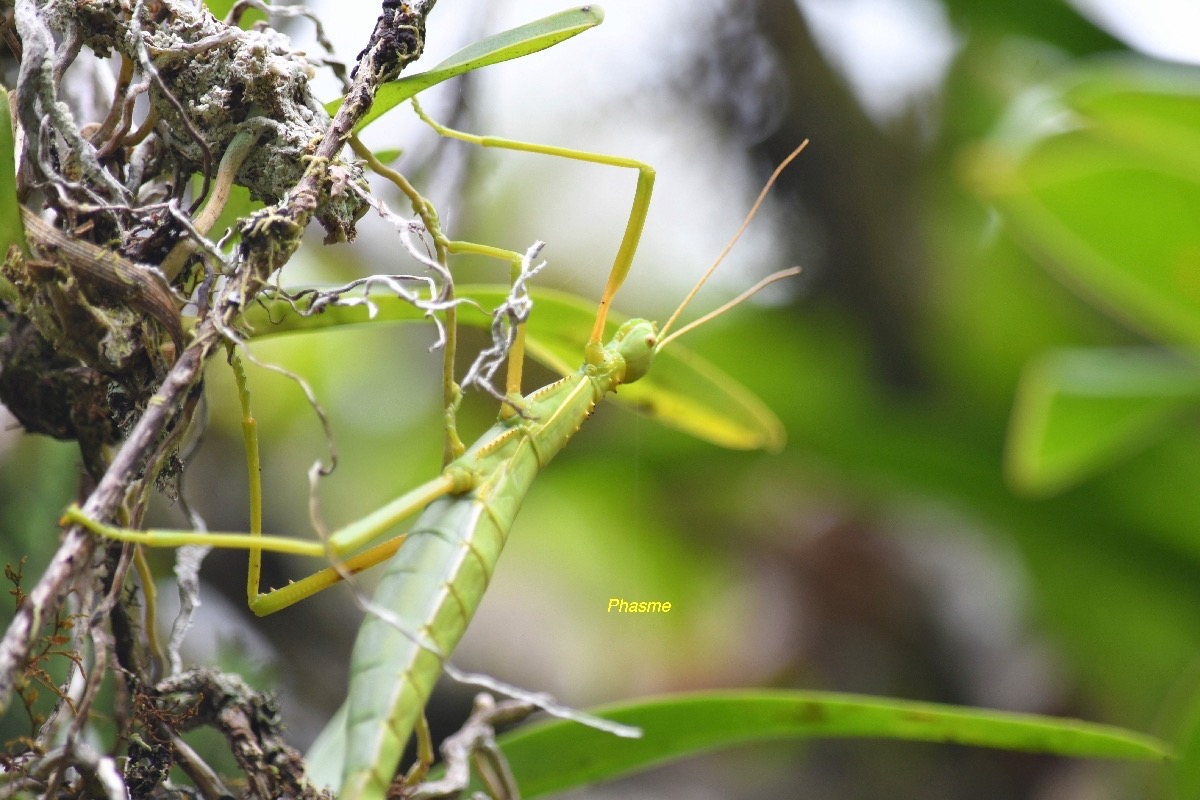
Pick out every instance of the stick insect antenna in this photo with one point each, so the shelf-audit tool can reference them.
(753, 290)
(762, 195)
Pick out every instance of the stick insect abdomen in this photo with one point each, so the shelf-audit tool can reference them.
(434, 584)
(429, 594)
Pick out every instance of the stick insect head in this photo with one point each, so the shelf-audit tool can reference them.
(636, 342)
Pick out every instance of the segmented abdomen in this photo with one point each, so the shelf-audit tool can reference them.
(430, 592)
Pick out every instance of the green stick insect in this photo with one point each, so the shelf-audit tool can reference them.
(439, 571)
(435, 581)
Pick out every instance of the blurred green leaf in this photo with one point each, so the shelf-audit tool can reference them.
(559, 755)
(1185, 771)
(1099, 176)
(220, 9)
(1078, 410)
(388, 155)
(1055, 21)
(239, 206)
(12, 231)
(515, 43)
(682, 390)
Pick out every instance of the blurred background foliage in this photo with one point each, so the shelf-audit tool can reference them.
(1010, 225)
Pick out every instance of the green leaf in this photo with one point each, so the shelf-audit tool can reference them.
(327, 755)
(1185, 771)
(1099, 176)
(388, 155)
(221, 8)
(520, 41)
(218, 8)
(12, 230)
(558, 755)
(1078, 410)
(682, 390)
(237, 207)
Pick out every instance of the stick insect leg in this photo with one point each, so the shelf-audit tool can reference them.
(516, 353)
(425, 756)
(357, 535)
(342, 542)
(451, 393)
(347, 540)
(633, 228)
(353, 538)
(253, 474)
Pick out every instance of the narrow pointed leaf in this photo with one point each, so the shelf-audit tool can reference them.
(556, 756)
(520, 41)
